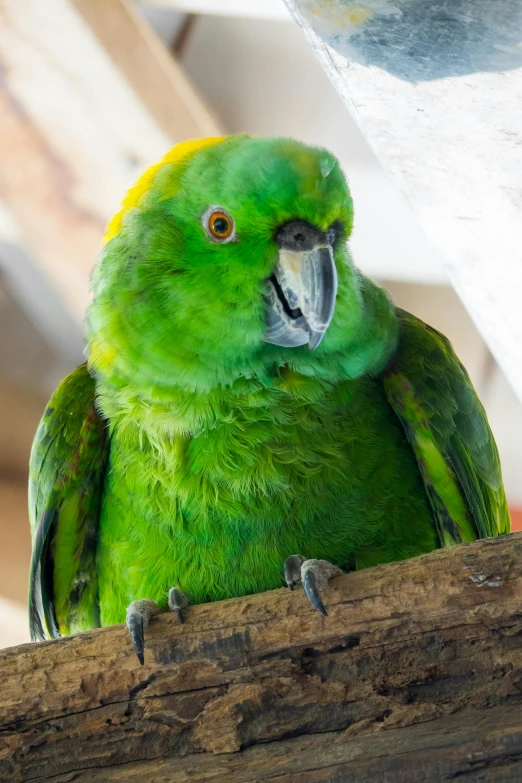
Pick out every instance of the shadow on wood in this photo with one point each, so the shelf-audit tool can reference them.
(415, 675)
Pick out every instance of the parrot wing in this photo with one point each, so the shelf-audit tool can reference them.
(66, 473)
(447, 428)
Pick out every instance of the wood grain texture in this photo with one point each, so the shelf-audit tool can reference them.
(415, 675)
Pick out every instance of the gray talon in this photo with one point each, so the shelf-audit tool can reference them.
(135, 625)
(138, 616)
(292, 570)
(315, 575)
(178, 600)
(312, 592)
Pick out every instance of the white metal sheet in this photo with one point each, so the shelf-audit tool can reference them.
(437, 89)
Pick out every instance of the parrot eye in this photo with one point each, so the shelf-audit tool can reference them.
(218, 225)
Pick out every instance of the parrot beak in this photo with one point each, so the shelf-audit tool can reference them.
(301, 291)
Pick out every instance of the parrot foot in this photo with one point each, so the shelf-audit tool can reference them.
(178, 600)
(138, 616)
(314, 575)
(140, 612)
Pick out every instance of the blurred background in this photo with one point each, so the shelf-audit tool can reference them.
(93, 91)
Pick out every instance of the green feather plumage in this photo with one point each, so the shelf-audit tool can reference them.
(67, 469)
(217, 455)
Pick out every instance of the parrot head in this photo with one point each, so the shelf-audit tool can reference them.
(227, 259)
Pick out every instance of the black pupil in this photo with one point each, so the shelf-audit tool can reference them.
(220, 225)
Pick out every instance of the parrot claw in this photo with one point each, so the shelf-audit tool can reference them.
(178, 600)
(314, 574)
(140, 612)
(312, 592)
(293, 570)
(138, 616)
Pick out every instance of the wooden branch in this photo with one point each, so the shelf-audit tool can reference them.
(415, 675)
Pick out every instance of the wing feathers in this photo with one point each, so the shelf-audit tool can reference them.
(67, 468)
(431, 393)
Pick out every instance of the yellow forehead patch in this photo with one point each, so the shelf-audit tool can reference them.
(143, 185)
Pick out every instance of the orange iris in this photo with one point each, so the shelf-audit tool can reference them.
(220, 225)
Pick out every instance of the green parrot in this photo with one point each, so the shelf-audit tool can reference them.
(253, 408)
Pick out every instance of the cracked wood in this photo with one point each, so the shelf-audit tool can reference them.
(416, 674)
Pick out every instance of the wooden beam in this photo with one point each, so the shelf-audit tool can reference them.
(75, 130)
(150, 68)
(415, 675)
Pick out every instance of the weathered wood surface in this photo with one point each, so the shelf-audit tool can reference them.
(415, 675)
